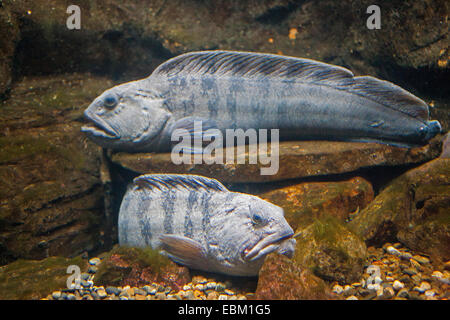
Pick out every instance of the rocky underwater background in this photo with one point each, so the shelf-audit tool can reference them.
(374, 219)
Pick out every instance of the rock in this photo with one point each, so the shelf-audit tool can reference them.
(298, 159)
(410, 271)
(282, 279)
(352, 298)
(94, 261)
(138, 267)
(405, 255)
(392, 250)
(112, 290)
(51, 196)
(102, 293)
(412, 208)
(424, 286)
(397, 285)
(421, 259)
(332, 251)
(388, 292)
(34, 279)
(308, 200)
(403, 293)
(337, 289)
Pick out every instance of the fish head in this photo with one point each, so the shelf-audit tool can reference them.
(125, 117)
(258, 228)
(429, 130)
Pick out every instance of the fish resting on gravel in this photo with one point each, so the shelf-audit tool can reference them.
(199, 223)
(303, 98)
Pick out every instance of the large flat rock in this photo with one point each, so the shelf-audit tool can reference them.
(297, 159)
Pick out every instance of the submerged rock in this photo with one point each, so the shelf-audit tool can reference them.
(307, 200)
(136, 267)
(297, 159)
(413, 208)
(50, 190)
(34, 279)
(282, 279)
(330, 250)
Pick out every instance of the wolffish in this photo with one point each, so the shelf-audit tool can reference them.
(199, 223)
(304, 99)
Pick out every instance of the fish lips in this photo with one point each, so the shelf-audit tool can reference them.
(284, 243)
(98, 128)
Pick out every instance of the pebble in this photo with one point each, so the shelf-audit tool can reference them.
(430, 293)
(410, 271)
(406, 256)
(393, 251)
(113, 290)
(421, 260)
(424, 286)
(388, 292)
(397, 285)
(56, 295)
(403, 293)
(102, 293)
(94, 261)
(352, 298)
(223, 297)
(92, 269)
(338, 289)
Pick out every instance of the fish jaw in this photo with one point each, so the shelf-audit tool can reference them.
(269, 244)
(97, 128)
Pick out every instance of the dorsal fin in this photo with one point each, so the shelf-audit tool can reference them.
(251, 65)
(168, 181)
(262, 66)
(387, 94)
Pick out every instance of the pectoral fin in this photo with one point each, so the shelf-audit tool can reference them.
(184, 251)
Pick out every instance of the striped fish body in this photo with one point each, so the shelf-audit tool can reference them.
(197, 222)
(305, 99)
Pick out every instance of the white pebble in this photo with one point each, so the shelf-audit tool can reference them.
(223, 297)
(430, 293)
(393, 251)
(352, 298)
(397, 285)
(338, 289)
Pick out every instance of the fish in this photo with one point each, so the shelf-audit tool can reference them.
(197, 222)
(304, 99)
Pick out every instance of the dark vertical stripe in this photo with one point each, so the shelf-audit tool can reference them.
(192, 200)
(168, 204)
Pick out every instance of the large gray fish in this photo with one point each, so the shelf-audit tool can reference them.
(305, 99)
(199, 223)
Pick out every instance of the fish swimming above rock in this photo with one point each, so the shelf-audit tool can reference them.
(199, 223)
(304, 99)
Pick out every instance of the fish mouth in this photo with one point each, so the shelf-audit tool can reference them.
(99, 129)
(266, 246)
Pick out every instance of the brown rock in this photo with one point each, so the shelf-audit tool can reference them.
(331, 251)
(35, 279)
(297, 159)
(304, 201)
(136, 267)
(412, 208)
(50, 191)
(282, 279)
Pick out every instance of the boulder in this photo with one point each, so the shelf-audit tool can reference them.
(297, 159)
(51, 197)
(137, 267)
(413, 209)
(283, 279)
(35, 279)
(305, 201)
(331, 251)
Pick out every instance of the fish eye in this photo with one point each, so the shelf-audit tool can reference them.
(257, 219)
(110, 101)
(423, 131)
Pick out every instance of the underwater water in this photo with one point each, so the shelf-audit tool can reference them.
(349, 199)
